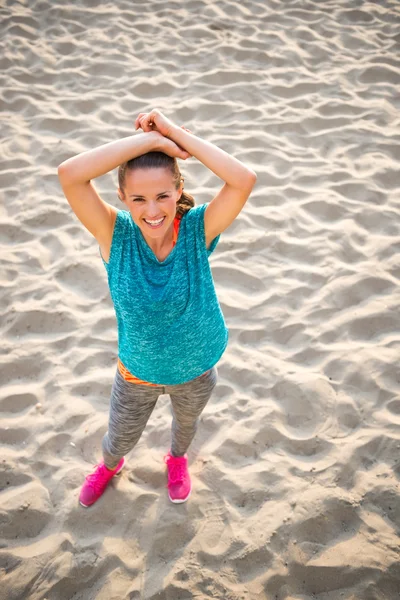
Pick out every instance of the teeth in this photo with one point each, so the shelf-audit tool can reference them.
(154, 222)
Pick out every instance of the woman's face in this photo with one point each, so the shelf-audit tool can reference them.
(151, 196)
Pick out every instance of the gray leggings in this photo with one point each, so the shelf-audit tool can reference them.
(132, 404)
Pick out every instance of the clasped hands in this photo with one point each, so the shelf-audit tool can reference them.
(164, 129)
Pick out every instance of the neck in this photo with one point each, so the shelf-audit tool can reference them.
(160, 245)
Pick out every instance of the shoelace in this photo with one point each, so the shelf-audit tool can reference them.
(98, 478)
(176, 471)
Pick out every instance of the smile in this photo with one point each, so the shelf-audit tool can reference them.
(154, 224)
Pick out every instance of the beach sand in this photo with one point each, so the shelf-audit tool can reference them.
(295, 465)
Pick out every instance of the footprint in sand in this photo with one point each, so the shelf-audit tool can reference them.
(307, 406)
(212, 528)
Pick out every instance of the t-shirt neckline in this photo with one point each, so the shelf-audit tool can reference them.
(149, 252)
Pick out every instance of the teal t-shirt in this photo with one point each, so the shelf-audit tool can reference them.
(171, 328)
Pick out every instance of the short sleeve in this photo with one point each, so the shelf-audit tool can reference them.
(120, 226)
(196, 221)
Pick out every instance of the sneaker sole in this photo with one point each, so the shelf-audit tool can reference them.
(115, 474)
(177, 501)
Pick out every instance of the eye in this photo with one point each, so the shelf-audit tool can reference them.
(137, 200)
(164, 196)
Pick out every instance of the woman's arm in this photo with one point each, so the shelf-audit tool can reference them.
(93, 163)
(239, 179)
(225, 166)
(75, 175)
(239, 182)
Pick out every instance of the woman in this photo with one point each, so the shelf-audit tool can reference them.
(171, 330)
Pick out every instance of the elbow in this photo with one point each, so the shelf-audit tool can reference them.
(251, 179)
(253, 176)
(247, 181)
(61, 171)
(67, 173)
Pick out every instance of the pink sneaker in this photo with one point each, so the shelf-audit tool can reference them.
(179, 484)
(97, 482)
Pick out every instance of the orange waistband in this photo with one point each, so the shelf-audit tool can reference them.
(129, 377)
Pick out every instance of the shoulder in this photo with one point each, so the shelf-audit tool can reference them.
(124, 216)
(120, 222)
(194, 220)
(195, 223)
(196, 214)
(123, 222)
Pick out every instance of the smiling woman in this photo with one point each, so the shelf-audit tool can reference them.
(171, 330)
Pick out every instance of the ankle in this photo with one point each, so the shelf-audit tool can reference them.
(110, 468)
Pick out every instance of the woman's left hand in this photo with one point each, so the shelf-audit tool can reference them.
(156, 121)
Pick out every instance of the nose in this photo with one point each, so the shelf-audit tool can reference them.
(153, 210)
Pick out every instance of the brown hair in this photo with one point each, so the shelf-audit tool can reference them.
(156, 160)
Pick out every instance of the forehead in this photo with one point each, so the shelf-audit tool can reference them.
(146, 181)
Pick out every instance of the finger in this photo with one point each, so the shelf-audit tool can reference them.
(184, 151)
(152, 116)
(137, 121)
(138, 124)
(184, 155)
(145, 123)
(143, 116)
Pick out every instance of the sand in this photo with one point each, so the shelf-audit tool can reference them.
(295, 465)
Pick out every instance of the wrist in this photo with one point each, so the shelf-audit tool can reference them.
(155, 140)
(150, 139)
(174, 130)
